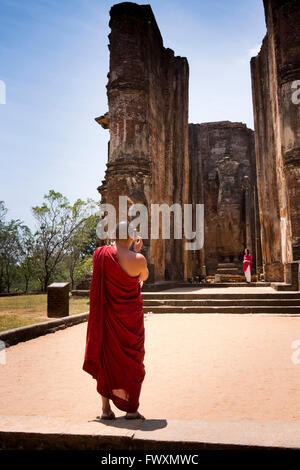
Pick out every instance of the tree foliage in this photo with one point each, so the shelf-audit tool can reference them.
(65, 238)
(12, 234)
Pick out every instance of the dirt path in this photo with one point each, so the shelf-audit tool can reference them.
(209, 367)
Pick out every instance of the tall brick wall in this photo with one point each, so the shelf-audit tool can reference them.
(155, 157)
(148, 123)
(223, 178)
(277, 136)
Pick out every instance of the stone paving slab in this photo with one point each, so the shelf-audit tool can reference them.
(224, 434)
(41, 432)
(204, 367)
(222, 290)
(199, 369)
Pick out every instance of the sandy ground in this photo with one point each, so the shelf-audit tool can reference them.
(204, 367)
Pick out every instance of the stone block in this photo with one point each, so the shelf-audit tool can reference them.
(58, 300)
(291, 274)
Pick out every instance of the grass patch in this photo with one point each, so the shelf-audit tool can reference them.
(25, 310)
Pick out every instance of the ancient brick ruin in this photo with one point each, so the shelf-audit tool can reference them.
(277, 137)
(155, 156)
(148, 120)
(223, 177)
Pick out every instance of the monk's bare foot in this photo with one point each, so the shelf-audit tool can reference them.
(107, 412)
(135, 415)
(108, 415)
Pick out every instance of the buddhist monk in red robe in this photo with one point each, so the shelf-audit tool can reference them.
(114, 350)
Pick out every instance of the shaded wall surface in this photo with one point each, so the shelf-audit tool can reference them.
(277, 136)
(223, 178)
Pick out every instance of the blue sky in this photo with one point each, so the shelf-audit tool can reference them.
(54, 61)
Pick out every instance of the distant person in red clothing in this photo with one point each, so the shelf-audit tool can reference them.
(247, 265)
(114, 350)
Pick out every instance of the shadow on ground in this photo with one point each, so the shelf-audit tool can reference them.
(141, 424)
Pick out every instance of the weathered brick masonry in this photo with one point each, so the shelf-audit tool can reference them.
(148, 121)
(155, 156)
(223, 177)
(277, 137)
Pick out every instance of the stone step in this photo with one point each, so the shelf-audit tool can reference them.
(221, 302)
(228, 277)
(228, 265)
(221, 296)
(228, 270)
(47, 433)
(162, 286)
(233, 283)
(274, 309)
(281, 286)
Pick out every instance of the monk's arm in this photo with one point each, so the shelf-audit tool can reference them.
(144, 273)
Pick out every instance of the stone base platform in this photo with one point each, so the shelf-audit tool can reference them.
(229, 268)
(162, 286)
(45, 433)
(229, 278)
(211, 380)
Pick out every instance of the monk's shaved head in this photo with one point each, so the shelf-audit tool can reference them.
(123, 231)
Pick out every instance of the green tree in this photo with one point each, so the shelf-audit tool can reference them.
(27, 268)
(11, 248)
(3, 212)
(59, 224)
(82, 246)
(83, 269)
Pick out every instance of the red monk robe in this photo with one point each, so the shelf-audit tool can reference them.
(114, 350)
